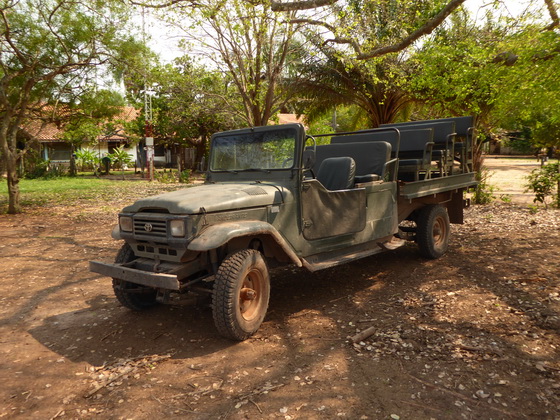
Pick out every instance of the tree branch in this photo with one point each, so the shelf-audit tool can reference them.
(424, 30)
(300, 5)
(168, 3)
(314, 22)
(553, 15)
(8, 37)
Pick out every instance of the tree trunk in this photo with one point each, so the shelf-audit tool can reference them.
(13, 182)
(73, 169)
(200, 146)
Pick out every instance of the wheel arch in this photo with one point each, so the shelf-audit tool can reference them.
(452, 201)
(240, 235)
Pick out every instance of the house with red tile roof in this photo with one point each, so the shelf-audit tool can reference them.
(52, 147)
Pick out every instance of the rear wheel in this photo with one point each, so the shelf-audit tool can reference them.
(131, 295)
(241, 293)
(432, 231)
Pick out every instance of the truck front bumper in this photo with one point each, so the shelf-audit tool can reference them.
(145, 278)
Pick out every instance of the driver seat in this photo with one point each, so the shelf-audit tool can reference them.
(337, 173)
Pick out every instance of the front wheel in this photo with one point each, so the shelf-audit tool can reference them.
(241, 293)
(131, 295)
(432, 231)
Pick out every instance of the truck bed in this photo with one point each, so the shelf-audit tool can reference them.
(423, 188)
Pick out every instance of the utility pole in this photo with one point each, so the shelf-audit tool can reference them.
(148, 116)
(149, 133)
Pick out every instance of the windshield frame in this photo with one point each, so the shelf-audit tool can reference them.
(256, 140)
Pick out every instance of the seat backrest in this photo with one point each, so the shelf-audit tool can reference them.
(370, 157)
(442, 129)
(411, 139)
(389, 136)
(462, 125)
(337, 173)
(414, 140)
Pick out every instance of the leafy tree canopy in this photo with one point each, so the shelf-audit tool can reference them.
(50, 53)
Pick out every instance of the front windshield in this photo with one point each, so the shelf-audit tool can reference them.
(264, 150)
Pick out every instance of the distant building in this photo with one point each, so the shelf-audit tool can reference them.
(289, 119)
(53, 148)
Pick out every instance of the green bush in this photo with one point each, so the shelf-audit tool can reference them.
(165, 177)
(120, 158)
(484, 192)
(544, 183)
(44, 169)
(185, 176)
(87, 159)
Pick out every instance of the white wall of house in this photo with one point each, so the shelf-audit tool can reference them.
(60, 152)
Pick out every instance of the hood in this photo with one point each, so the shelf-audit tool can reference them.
(213, 197)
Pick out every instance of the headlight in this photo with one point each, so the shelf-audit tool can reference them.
(177, 227)
(125, 223)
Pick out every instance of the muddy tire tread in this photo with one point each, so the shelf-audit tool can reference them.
(424, 231)
(133, 301)
(224, 296)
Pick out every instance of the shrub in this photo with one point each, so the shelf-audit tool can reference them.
(46, 170)
(484, 192)
(87, 159)
(165, 177)
(120, 158)
(544, 183)
(185, 176)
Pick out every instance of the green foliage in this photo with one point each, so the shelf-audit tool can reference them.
(348, 118)
(506, 198)
(120, 157)
(51, 53)
(251, 46)
(454, 70)
(185, 176)
(166, 177)
(505, 73)
(188, 105)
(522, 143)
(483, 192)
(87, 159)
(544, 183)
(44, 169)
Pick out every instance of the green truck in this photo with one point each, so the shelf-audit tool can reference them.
(275, 196)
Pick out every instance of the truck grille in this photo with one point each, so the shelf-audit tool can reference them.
(150, 227)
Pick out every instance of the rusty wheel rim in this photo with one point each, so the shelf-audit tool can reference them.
(439, 232)
(250, 295)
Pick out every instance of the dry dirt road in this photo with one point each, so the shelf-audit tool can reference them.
(507, 176)
(473, 335)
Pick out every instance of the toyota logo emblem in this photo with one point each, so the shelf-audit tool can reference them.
(148, 227)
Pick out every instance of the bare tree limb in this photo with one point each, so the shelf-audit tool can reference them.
(426, 29)
(168, 3)
(553, 15)
(314, 22)
(300, 5)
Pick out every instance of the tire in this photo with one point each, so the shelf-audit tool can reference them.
(130, 295)
(432, 231)
(241, 293)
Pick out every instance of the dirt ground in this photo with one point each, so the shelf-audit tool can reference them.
(507, 176)
(473, 335)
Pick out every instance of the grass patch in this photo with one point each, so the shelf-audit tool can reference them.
(68, 191)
